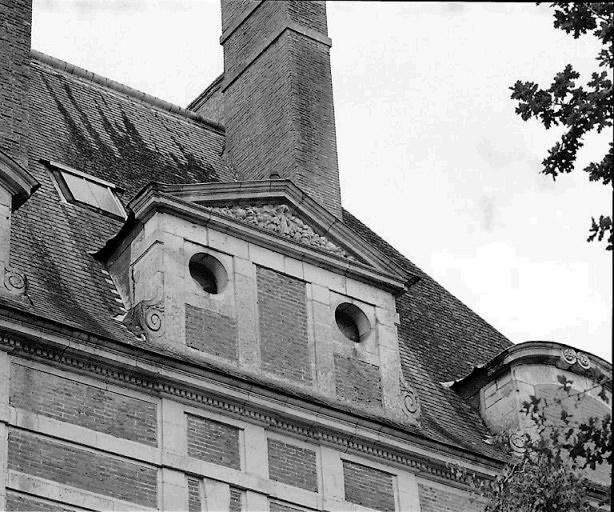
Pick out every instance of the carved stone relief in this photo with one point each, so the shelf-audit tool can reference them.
(280, 219)
(569, 357)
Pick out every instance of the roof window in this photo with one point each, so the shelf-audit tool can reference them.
(80, 188)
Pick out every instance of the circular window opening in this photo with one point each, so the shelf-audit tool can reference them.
(352, 322)
(208, 272)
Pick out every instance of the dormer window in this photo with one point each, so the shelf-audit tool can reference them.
(80, 188)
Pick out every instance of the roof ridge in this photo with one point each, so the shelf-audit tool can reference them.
(124, 89)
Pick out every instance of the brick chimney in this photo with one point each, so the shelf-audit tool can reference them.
(278, 95)
(15, 24)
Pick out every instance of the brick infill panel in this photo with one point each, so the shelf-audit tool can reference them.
(16, 502)
(194, 502)
(292, 465)
(84, 469)
(368, 487)
(81, 404)
(284, 344)
(213, 441)
(211, 332)
(358, 381)
(439, 500)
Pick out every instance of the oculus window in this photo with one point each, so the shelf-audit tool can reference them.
(83, 189)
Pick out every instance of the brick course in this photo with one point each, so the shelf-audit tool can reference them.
(213, 441)
(368, 487)
(81, 404)
(69, 465)
(284, 345)
(438, 500)
(358, 381)
(292, 465)
(211, 332)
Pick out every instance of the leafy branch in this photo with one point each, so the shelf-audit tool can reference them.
(579, 109)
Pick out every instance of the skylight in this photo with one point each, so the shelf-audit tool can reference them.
(80, 188)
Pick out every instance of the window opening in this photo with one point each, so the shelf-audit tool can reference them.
(80, 188)
(208, 273)
(352, 322)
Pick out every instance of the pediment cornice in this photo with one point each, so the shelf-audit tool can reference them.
(278, 215)
(16, 180)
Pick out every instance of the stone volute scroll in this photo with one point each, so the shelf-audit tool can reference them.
(409, 400)
(146, 319)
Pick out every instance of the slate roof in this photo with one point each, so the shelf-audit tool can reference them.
(78, 121)
(130, 139)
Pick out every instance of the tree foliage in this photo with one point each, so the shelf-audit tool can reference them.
(579, 109)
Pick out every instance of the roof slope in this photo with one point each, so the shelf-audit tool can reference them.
(440, 340)
(129, 139)
(113, 135)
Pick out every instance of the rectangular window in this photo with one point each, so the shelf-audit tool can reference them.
(80, 188)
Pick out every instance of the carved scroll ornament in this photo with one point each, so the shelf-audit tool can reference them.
(146, 318)
(410, 403)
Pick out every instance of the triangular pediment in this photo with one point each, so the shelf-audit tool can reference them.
(275, 213)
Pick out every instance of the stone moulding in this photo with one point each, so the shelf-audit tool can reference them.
(280, 219)
(345, 442)
(17, 180)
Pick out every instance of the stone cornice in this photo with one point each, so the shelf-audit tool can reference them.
(16, 180)
(348, 434)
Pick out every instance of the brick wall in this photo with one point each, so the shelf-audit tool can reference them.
(358, 381)
(368, 487)
(292, 465)
(81, 468)
(81, 404)
(16, 502)
(279, 113)
(213, 441)
(16, 20)
(211, 332)
(437, 500)
(282, 310)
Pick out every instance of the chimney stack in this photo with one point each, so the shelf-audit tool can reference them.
(278, 95)
(15, 28)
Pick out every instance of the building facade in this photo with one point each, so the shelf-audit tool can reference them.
(191, 321)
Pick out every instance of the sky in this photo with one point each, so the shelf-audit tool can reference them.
(431, 154)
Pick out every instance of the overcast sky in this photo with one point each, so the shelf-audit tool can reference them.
(431, 154)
